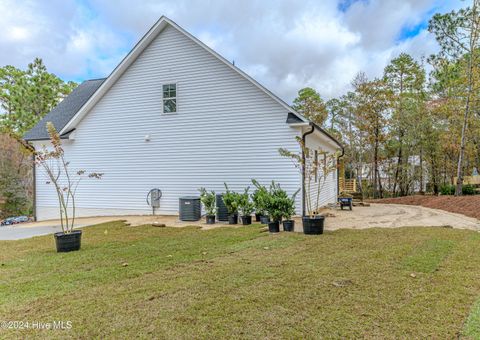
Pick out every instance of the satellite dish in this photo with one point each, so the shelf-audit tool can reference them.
(153, 198)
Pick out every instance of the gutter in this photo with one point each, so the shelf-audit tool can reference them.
(34, 188)
(338, 171)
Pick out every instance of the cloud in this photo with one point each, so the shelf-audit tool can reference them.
(70, 41)
(283, 44)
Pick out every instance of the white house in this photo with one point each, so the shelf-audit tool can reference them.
(177, 116)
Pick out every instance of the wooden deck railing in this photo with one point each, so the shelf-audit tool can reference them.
(348, 185)
(473, 180)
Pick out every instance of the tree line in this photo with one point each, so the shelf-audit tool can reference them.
(411, 129)
(26, 96)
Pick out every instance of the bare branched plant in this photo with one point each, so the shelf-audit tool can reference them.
(317, 165)
(52, 160)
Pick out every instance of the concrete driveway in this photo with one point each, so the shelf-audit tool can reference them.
(31, 229)
(374, 216)
(18, 232)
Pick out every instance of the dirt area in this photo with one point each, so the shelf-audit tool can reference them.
(376, 215)
(396, 215)
(466, 205)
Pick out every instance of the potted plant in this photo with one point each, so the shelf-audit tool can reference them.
(259, 197)
(273, 206)
(208, 201)
(288, 210)
(53, 162)
(315, 166)
(231, 200)
(245, 207)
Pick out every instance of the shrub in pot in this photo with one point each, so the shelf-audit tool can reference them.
(208, 201)
(315, 166)
(288, 210)
(231, 200)
(273, 206)
(259, 197)
(245, 207)
(56, 167)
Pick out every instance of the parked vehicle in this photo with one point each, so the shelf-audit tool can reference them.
(15, 220)
(8, 221)
(21, 219)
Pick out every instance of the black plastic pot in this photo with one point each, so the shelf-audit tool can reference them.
(233, 219)
(210, 219)
(274, 227)
(246, 220)
(68, 242)
(313, 226)
(264, 219)
(257, 217)
(288, 225)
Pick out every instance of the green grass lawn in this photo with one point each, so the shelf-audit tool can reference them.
(244, 283)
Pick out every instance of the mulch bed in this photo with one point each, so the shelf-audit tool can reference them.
(466, 205)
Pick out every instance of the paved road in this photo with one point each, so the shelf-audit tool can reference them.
(17, 233)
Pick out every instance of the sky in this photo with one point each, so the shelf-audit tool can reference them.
(285, 45)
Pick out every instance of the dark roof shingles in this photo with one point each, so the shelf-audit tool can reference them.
(65, 110)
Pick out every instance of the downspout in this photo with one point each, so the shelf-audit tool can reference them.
(338, 170)
(34, 187)
(303, 168)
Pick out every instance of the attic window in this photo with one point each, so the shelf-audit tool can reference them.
(169, 98)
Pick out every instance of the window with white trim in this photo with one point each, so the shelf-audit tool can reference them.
(169, 98)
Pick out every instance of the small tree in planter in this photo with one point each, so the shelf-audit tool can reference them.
(316, 166)
(231, 200)
(66, 184)
(208, 201)
(259, 198)
(245, 207)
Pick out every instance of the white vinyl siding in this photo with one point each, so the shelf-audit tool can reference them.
(328, 192)
(230, 137)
